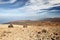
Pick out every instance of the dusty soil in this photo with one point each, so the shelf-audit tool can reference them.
(19, 32)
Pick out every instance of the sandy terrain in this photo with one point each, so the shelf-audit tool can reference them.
(18, 32)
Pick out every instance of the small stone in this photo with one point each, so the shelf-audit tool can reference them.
(52, 38)
(55, 33)
(39, 32)
(57, 37)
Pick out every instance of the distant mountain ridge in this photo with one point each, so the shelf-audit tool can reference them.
(30, 22)
(52, 19)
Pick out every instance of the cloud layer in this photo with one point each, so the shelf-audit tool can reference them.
(12, 4)
(29, 9)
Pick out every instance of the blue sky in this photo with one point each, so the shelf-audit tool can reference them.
(28, 9)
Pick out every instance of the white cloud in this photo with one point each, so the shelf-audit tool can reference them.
(33, 6)
(54, 1)
(12, 1)
(36, 5)
(32, 9)
(3, 2)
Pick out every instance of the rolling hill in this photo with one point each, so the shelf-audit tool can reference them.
(47, 21)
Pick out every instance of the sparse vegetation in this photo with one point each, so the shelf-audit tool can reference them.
(38, 31)
(24, 26)
(44, 31)
(10, 26)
